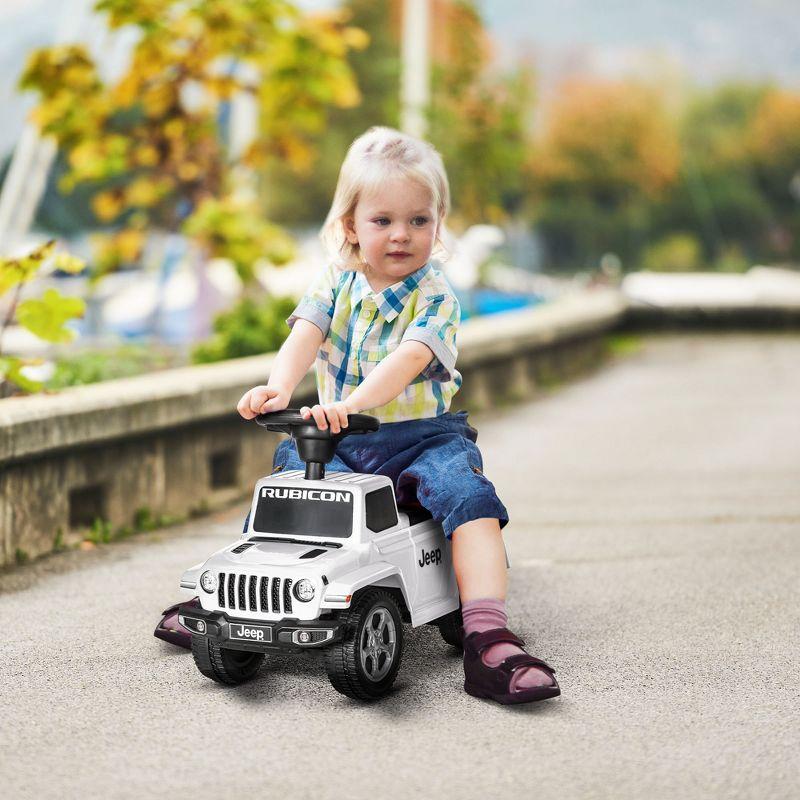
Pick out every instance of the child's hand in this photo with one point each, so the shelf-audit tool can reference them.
(262, 400)
(333, 413)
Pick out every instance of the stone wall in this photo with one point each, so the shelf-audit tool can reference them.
(138, 452)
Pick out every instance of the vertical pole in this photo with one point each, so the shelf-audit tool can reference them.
(34, 155)
(415, 88)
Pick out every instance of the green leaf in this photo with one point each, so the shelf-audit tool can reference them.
(69, 263)
(46, 317)
(21, 270)
(11, 370)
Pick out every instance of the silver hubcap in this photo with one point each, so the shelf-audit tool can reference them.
(378, 643)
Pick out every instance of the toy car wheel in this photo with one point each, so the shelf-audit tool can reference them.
(450, 627)
(365, 663)
(223, 665)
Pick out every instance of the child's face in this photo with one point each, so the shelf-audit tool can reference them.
(396, 228)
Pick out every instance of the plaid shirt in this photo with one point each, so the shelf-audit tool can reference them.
(362, 327)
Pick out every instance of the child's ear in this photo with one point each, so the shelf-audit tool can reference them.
(349, 230)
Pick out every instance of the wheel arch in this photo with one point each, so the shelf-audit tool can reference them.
(396, 587)
(382, 575)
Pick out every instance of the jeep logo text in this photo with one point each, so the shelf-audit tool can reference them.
(243, 632)
(430, 557)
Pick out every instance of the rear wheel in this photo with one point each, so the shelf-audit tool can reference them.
(450, 627)
(230, 667)
(364, 664)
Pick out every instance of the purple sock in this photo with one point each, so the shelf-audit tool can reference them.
(485, 614)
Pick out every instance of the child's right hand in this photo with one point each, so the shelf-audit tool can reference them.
(262, 400)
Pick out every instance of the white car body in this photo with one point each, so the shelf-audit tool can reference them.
(256, 584)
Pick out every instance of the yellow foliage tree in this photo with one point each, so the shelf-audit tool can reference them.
(610, 140)
(774, 144)
(607, 152)
(150, 140)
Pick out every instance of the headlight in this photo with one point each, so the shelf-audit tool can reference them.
(304, 590)
(208, 582)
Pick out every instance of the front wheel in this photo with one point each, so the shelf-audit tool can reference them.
(222, 665)
(364, 664)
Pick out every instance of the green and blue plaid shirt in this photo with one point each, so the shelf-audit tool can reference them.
(362, 327)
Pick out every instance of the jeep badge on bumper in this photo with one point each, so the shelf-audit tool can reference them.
(263, 637)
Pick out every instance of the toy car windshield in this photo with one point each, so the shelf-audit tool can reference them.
(304, 512)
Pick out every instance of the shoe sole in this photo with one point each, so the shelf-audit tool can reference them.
(531, 696)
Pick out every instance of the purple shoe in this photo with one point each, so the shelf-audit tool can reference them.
(494, 683)
(170, 630)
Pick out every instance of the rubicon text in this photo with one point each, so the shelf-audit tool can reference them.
(306, 494)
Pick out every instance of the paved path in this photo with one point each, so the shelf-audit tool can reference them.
(654, 547)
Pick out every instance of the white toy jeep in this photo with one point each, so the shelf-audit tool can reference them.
(325, 562)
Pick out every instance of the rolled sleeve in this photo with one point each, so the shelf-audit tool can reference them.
(318, 302)
(435, 325)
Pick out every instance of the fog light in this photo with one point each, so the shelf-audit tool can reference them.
(208, 582)
(304, 636)
(201, 626)
(304, 590)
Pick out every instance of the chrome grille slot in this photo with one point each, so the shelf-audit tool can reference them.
(263, 595)
(276, 594)
(252, 593)
(287, 595)
(241, 606)
(221, 590)
(231, 591)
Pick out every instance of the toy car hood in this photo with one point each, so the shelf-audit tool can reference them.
(272, 552)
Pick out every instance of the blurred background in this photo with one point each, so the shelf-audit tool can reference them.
(183, 156)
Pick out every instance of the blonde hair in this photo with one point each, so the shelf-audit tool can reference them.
(375, 156)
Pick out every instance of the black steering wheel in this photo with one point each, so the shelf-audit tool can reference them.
(315, 447)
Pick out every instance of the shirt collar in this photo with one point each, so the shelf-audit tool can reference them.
(391, 300)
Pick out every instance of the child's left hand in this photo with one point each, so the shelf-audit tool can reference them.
(333, 414)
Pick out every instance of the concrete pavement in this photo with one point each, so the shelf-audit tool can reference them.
(654, 545)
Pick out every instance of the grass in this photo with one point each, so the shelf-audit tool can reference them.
(623, 344)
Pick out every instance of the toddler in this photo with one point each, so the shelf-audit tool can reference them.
(381, 323)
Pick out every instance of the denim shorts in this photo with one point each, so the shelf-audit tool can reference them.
(432, 462)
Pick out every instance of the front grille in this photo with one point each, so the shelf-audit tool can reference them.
(239, 592)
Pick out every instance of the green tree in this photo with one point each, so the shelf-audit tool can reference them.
(774, 144)
(478, 121)
(717, 194)
(607, 153)
(303, 197)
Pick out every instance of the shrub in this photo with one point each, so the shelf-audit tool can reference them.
(250, 328)
(93, 366)
(678, 252)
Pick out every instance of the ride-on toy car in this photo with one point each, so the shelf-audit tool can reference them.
(326, 562)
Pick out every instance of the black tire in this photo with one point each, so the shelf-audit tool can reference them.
(230, 667)
(364, 665)
(450, 627)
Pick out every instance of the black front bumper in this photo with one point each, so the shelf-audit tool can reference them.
(284, 636)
